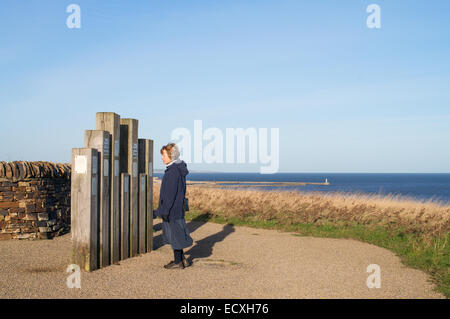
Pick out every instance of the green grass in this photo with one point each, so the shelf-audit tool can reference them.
(431, 255)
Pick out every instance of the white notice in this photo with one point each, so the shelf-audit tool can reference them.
(106, 147)
(135, 151)
(116, 148)
(135, 169)
(105, 167)
(94, 165)
(94, 185)
(143, 183)
(80, 164)
(126, 184)
(150, 169)
(116, 168)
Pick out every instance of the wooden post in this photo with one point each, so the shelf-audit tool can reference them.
(125, 216)
(84, 207)
(146, 167)
(101, 141)
(149, 173)
(129, 146)
(110, 122)
(142, 212)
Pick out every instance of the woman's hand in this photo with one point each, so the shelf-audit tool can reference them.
(164, 218)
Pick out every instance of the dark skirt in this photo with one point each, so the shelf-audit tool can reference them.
(177, 234)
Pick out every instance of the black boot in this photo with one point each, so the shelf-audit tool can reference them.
(186, 262)
(173, 265)
(178, 262)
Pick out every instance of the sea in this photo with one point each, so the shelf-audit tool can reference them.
(418, 186)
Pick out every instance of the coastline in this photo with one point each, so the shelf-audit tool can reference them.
(409, 186)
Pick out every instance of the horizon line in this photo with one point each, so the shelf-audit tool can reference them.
(317, 172)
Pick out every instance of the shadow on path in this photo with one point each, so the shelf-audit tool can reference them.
(203, 248)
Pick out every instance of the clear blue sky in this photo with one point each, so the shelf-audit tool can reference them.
(346, 98)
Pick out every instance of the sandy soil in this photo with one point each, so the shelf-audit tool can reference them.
(228, 262)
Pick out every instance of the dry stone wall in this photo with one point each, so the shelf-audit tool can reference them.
(34, 200)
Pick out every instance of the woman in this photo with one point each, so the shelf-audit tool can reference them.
(170, 207)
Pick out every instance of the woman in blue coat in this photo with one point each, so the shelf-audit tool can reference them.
(170, 206)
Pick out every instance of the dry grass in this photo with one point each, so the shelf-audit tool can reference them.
(417, 231)
(425, 218)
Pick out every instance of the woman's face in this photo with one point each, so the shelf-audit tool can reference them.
(165, 158)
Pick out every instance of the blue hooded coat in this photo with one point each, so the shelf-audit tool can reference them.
(170, 206)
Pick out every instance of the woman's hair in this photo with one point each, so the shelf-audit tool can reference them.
(172, 151)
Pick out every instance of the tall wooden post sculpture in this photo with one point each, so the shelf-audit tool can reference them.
(146, 168)
(110, 122)
(125, 216)
(112, 193)
(101, 140)
(84, 208)
(129, 164)
(142, 219)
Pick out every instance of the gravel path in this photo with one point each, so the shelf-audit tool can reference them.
(229, 262)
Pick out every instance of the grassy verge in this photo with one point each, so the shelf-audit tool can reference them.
(430, 254)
